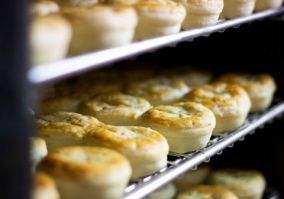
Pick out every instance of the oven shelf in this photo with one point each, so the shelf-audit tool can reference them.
(71, 66)
(180, 163)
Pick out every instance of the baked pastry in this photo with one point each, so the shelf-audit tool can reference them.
(247, 184)
(158, 18)
(145, 148)
(64, 128)
(186, 126)
(166, 192)
(63, 102)
(229, 103)
(192, 178)
(200, 13)
(67, 96)
(260, 88)
(261, 5)
(82, 3)
(50, 36)
(88, 172)
(159, 91)
(193, 78)
(44, 187)
(100, 26)
(237, 8)
(44, 7)
(38, 151)
(208, 192)
(116, 108)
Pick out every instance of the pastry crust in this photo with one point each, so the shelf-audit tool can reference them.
(192, 78)
(229, 103)
(158, 18)
(44, 187)
(100, 26)
(261, 5)
(116, 108)
(260, 88)
(50, 36)
(84, 172)
(159, 90)
(63, 102)
(64, 128)
(237, 8)
(187, 126)
(77, 3)
(145, 148)
(248, 184)
(200, 13)
(206, 191)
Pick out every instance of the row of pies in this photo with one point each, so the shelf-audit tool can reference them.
(80, 26)
(88, 172)
(222, 183)
(111, 138)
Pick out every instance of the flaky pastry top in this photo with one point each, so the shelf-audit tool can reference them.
(116, 104)
(254, 84)
(85, 163)
(159, 90)
(208, 192)
(180, 115)
(222, 99)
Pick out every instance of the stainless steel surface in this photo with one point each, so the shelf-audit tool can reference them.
(180, 163)
(53, 71)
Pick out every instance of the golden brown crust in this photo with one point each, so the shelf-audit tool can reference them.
(75, 119)
(221, 98)
(181, 115)
(253, 84)
(159, 90)
(62, 102)
(43, 181)
(44, 187)
(83, 162)
(244, 183)
(191, 77)
(115, 108)
(210, 192)
(74, 3)
(126, 138)
(71, 124)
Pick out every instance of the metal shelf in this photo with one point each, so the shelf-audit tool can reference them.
(180, 163)
(70, 66)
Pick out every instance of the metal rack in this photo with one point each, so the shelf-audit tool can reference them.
(180, 163)
(70, 66)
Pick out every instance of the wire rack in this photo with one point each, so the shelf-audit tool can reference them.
(180, 163)
(70, 66)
